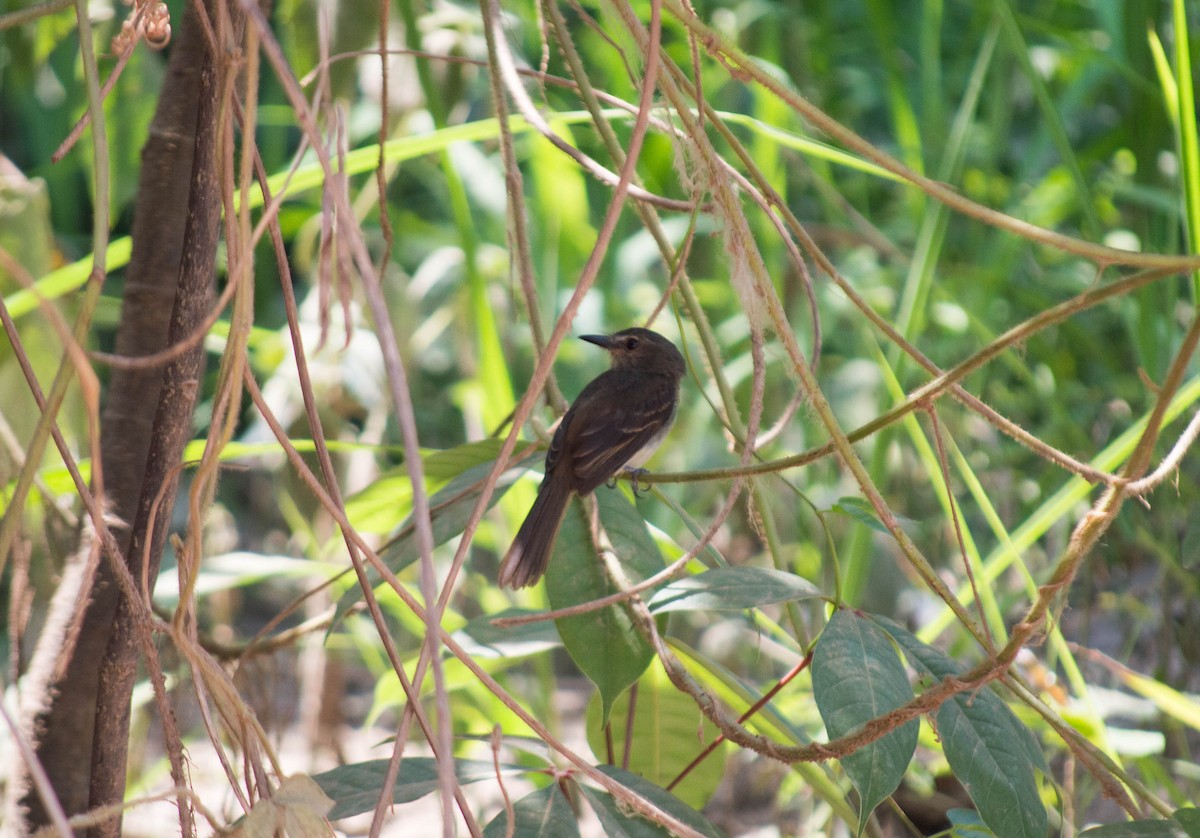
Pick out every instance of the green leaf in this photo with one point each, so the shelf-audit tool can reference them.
(731, 589)
(1189, 818)
(966, 823)
(604, 644)
(355, 788)
(237, 570)
(481, 639)
(545, 812)
(668, 732)
(1137, 829)
(990, 752)
(857, 676)
(450, 507)
(660, 797)
(383, 506)
(860, 511)
(617, 821)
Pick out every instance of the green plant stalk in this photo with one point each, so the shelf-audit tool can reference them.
(1189, 147)
(758, 296)
(932, 235)
(917, 284)
(929, 51)
(493, 373)
(1085, 200)
(904, 118)
(991, 609)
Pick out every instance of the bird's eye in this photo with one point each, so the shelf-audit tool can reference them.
(631, 343)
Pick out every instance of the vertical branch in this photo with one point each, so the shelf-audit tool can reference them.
(170, 432)
(81, 690)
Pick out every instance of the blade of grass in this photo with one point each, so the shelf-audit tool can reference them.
(1059, 506)
(1189, 148)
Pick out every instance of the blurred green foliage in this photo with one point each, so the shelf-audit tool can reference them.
(1068, 128)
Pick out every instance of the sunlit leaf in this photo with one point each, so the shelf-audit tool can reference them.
(666, 733)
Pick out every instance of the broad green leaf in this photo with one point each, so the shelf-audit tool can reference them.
(668, 732)
(604, 644)
(545, 813)
(857, 676)
(355, 788)
(990, 752)
(657, 795)
(731, 589)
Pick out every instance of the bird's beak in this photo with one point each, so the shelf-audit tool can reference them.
(600, 340)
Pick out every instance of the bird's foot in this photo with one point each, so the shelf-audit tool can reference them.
(634, 474)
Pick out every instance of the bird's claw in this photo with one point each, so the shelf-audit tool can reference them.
(634, 474)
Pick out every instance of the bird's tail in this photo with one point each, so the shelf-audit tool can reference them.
(527, 558)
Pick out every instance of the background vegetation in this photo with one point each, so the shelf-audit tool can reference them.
(828, 206)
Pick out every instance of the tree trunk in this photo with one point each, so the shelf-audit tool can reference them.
(76, 698)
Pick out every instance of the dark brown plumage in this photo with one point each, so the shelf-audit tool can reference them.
(617, 421)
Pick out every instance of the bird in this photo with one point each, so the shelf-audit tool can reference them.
(616, 422)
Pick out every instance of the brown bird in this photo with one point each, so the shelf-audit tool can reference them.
(616, 422)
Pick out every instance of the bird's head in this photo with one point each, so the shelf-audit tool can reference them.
(641, 349)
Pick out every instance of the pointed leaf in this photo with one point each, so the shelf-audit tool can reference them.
(604, 644)
(543, 814)
(731, 589)
(857, 676)
(355, 788)
(990, 752)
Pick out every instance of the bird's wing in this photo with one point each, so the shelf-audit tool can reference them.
(601, 442)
